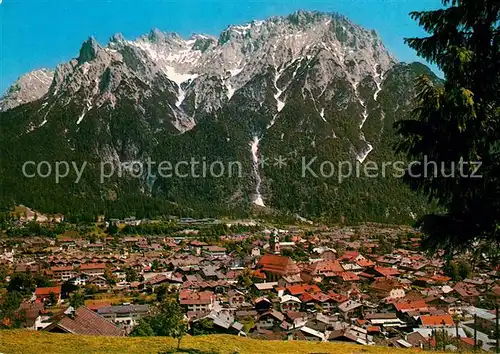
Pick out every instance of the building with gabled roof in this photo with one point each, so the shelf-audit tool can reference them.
(351, 256)
(84, 321)
(384, 272)
(290, 303)
(409, 306)
(43, 294)
(365, 263)
(197, 300)
(270, 319)
(388, 288)
(436, 321)
(126, 316)
(345, 277)
(325, 267)
(275, 266)
(297, 290)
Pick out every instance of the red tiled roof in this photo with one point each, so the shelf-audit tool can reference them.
(325, 267)
(301, 289)
(196, 298)
(89, 266)
(349, 276)
(306, 297)
(411, 305)
(387, 272)
(322, 297)
(445, 320)
(440, 278)
(337, 297)
(278, 264)
(365, 263)
(466, 290)
(349, 256)
(319, 297)
(386, 284)
(46, 291)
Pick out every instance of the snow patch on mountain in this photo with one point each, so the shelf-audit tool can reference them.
(364, 115)
(86, 109)
(379, 79)
(235, 72)
(361, 157)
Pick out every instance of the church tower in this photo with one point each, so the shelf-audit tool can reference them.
(275, 243)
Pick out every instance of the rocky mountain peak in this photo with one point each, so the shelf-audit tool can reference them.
(159, 37)
(204, 72)
(156, 35)
(117, 38)
(89, 50)
(304, 18)
(29, 87)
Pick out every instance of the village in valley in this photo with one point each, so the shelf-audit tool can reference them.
(367, 284)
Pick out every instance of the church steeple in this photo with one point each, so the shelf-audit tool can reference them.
(274, 242)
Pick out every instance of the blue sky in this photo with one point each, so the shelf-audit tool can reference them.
(42, 33)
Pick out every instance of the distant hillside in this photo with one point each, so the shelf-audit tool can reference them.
(29, 342)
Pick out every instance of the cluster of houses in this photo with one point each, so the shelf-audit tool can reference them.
(343, 289)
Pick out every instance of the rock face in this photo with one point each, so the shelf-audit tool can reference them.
(28, 88)
(310, 82)
(204, 72)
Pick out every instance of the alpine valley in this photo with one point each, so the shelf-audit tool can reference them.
(309, 85)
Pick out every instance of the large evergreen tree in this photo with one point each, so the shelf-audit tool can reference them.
(457, 123)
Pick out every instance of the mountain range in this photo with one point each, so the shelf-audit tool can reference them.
(306, 86)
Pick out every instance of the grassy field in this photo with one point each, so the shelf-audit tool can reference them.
(108, 300)
(30, 342)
